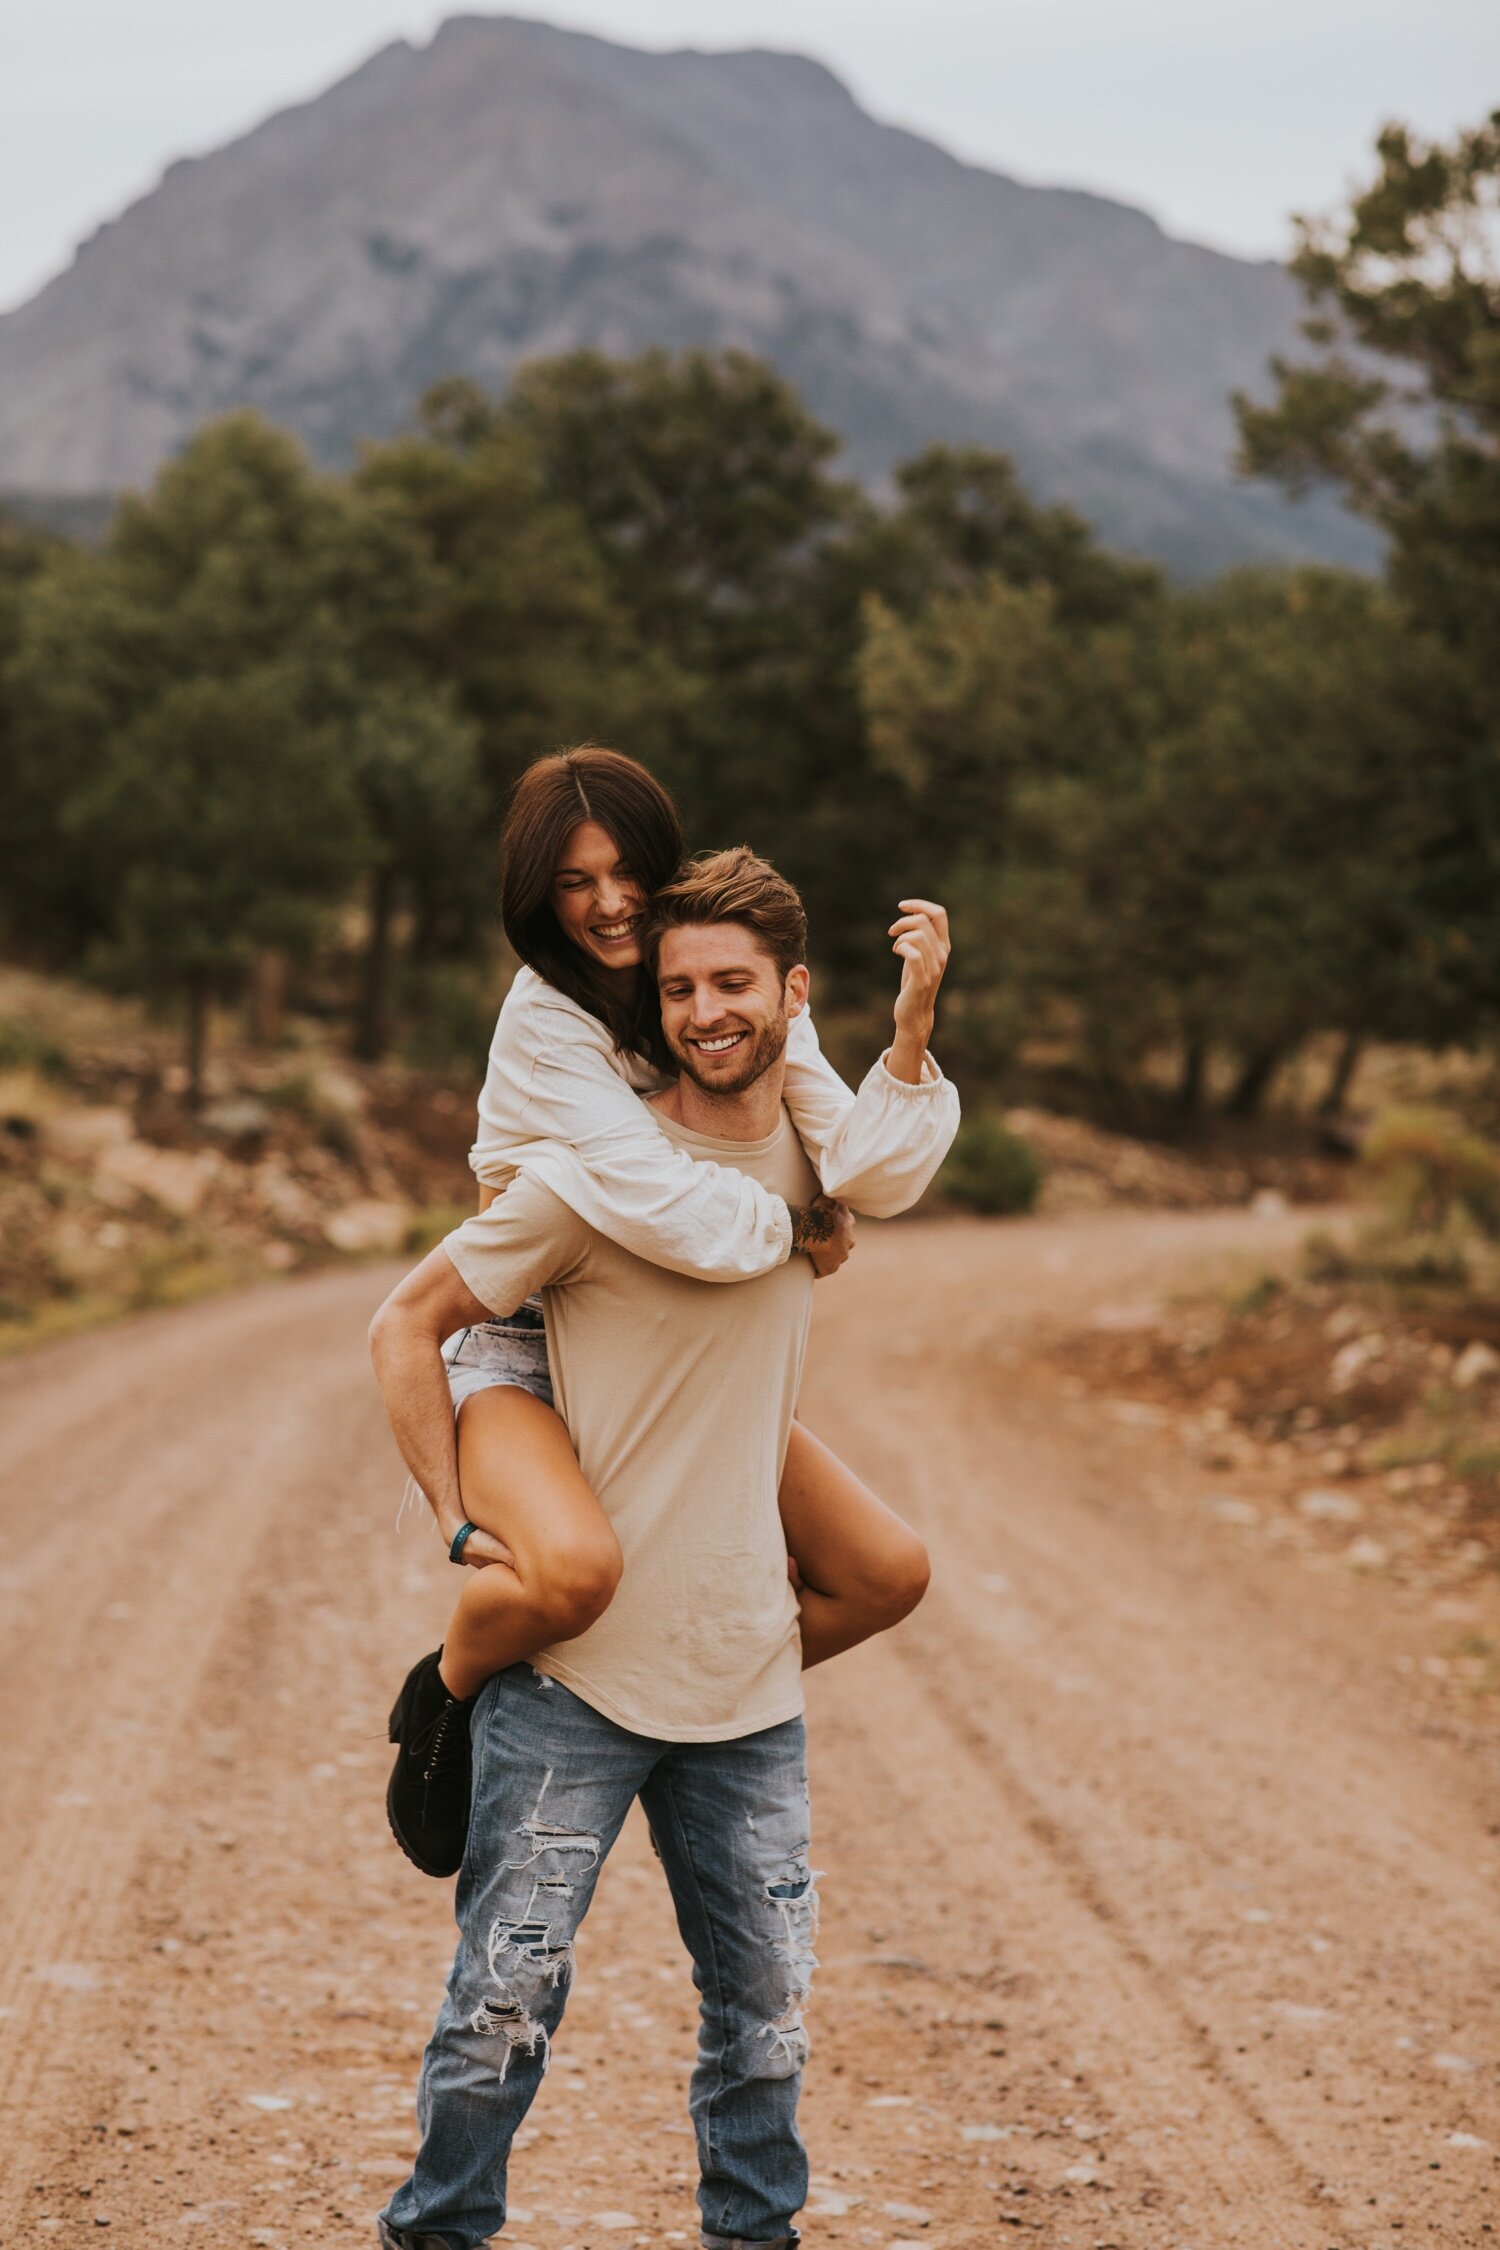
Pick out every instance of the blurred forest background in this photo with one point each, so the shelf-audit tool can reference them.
(256, 741)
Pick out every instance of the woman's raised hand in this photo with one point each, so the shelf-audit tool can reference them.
(919, 939)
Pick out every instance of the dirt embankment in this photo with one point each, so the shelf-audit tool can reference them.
(1159, 1873)
(116, 1195)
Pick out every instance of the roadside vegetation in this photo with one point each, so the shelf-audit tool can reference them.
(1355, 1396)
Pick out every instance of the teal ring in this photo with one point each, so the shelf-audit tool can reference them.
(456, 1551)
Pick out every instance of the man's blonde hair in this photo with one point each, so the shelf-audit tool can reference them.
(733, 886)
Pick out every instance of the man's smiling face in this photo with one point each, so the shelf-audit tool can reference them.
(725, 1005)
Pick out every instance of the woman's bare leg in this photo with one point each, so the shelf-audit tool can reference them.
(521, 1481)
(861, 1568)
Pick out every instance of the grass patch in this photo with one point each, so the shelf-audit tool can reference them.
(180, 1272)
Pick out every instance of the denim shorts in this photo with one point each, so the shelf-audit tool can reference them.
(510, 1352)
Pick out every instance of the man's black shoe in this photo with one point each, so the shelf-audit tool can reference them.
(427, 1798)
(391, 2240)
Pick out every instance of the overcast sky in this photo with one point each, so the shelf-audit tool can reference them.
(1218, 120)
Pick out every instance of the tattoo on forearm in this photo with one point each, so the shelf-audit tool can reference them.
(811, 1227)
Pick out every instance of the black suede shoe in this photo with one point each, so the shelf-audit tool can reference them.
(391, 2240)
(427, 1797)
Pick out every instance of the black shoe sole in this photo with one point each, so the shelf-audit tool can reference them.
(398, 1715)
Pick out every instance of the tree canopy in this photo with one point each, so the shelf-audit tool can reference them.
(280, 708)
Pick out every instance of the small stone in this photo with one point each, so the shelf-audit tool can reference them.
(268, 2101)
(986, 2132)
(1460, 2064)
(1351, 1360)
(368, 1225)
(1466, 2140)
(1322, 1505)
(1365, 1553)
(1137, 1413)
(1476, 1363)
(615, 2219)
(243, 1120)
(1229, 1510)
(85, 1132)
(178, 1182)
(69, 1976)
(909, 2212)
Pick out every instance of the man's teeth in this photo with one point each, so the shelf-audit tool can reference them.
(719, 1046)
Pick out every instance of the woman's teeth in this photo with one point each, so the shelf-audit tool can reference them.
(611, 932)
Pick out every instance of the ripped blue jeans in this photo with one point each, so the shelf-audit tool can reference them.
(553, 1781)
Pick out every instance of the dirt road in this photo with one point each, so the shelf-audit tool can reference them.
(1156, 1911)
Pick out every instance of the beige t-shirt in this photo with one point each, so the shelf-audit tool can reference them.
(679, 1396)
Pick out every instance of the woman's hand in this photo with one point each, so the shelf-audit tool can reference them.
(919, 938)
(825, 1230)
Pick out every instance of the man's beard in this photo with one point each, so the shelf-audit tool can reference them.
(752, 1061)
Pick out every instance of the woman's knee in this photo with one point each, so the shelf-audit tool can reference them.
(575, 1582)
(904, 1578)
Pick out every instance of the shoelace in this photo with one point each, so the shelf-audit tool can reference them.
(441, 1745)
(445, 1743)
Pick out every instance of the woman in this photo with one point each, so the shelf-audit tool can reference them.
(588, 837)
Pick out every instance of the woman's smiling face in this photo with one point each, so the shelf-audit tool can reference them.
(598, 902)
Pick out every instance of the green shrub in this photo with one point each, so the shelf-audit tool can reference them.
(1478, 1463)
(991, 1169)
(1430, 1170)
(1325, 1257)
(1258, 1295)
(1413, 1260)
(24, 1046)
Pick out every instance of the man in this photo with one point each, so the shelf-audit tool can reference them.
(687, 1691)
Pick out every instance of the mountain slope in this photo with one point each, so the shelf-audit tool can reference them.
(511, 190)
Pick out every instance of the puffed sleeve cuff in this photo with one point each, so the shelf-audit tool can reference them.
(926, 1087)
(890, 1145)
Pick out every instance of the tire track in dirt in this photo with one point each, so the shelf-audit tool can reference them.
(131, 1587)
(1210, 1763)
(1137, 1869)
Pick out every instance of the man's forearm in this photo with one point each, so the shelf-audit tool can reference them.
(414, 1385)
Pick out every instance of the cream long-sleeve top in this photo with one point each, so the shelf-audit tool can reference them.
(562, 1104)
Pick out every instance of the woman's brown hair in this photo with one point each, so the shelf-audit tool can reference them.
(552, 796)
